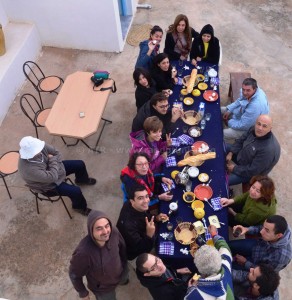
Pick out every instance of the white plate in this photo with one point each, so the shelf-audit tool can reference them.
(193, 172)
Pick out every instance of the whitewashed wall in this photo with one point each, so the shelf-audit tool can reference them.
(77, 24)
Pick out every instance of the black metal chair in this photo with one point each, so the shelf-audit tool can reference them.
(42, 83)
(34, 111)
(51, 196)
(8, 166)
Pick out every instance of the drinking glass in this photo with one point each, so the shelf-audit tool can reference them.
(208, 116)
(179, 220)
(189, 186)
(169, 226)
(181, 98)
(170, 236)
(179, 72)
(185, 129)
(203, 124)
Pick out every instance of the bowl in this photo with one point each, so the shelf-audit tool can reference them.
(202, 86)
(203, 177)
(193, 172)
(197, 204)
(184, 92)
(188, 101)
(174, 173)
(195, 131)
(189, 197)
(196, 92)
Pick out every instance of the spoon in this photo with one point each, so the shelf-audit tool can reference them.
(206, 200)
(176, 129)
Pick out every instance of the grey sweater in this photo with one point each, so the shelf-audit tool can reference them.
(42, 173)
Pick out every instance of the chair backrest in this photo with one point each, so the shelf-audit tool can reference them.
(33, 73)
(30, 107)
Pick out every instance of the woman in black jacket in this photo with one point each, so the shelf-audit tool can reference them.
(178, 39)
(145, 86)
(205, 47)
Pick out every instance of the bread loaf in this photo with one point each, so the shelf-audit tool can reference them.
(192, 80)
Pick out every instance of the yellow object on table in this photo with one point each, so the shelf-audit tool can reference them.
(192, 80)
(199, 213)
(197, 159)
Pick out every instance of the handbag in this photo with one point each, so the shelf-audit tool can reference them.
(99, 81)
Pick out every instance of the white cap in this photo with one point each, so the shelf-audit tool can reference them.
(30, 146)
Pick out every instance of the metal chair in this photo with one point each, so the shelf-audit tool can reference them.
(52, 196)
(8, 166)
(42, 83)
(34, 111)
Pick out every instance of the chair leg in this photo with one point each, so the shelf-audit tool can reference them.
(6, 187)
(64, 140)
(37, 204)
(41, 100)
(36, 131)
(66, 208)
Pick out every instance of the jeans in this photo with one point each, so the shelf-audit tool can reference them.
(72, 191)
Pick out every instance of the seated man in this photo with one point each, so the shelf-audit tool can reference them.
(273, 246)
(41, 167)
(162, 282)
(255, 153)
(157, 106)
(242, 113)
(260, 283)
(214, 266)
(136, 224)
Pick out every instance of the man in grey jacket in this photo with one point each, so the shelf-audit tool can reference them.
(41, 167)
(255, 153)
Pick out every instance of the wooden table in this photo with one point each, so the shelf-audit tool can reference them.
(77, 97)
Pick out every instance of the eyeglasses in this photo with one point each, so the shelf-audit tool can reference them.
(155, 266)
(143, 164)
(164, 106)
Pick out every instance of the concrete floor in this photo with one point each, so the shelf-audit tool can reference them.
(35, 250)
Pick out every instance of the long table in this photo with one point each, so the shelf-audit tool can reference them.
(78, 109)
(215, 168)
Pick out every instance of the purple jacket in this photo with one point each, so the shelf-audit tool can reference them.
(140, 144)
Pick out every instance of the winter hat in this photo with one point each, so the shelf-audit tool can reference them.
(30, 146)
(207, 29)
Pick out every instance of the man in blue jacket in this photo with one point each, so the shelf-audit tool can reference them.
(242, 114)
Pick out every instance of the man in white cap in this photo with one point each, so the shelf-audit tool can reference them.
(41, 167)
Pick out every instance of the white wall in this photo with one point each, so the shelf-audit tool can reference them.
(77, 24)
(3, 16)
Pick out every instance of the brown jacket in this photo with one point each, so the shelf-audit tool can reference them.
(102, 266)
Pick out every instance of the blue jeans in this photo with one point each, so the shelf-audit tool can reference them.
(72, 191)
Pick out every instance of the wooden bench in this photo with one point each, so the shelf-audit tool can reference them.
(236, 79)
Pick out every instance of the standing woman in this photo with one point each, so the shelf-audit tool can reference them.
(178, 40)
(162, 73)
(145, 86)
(205, 47)
(149, 48)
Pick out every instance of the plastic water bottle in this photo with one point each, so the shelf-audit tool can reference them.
(206, 76)
(202, 109)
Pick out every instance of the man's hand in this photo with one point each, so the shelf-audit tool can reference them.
(176, 113)
(183, 271)
(226, 115)
(161, 217)
(225, 201)
(230, 166)
(240, 259)
(50, 155)
(212, 229)
(150, 227)
(229, 156)
(244, 230)
(231, 211)
(165, 197)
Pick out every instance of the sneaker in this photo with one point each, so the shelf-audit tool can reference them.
(89, 181)
(84, 212)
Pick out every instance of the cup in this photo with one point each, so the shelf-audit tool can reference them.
(170, 236)
(169, 226)
(237, 232)
(208, 116)
(180, 72)
(185, 129)
(189, 186)
(173, 206)
(181, 98)
(203, 124)
(179, 220)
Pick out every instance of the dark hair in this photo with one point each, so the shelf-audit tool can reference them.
(158, 97)
(152, 124)
(250, 81)
(133, 158)
(145, 73)
(267, 188)
(133, 189)
(154, 29)
(141, 259)
(279, 222)
(159, 58)
(187, 32)
(268, 281)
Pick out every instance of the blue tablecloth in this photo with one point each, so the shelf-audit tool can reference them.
(215, 168)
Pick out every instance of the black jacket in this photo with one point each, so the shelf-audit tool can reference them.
(162, 78)
(132, 226)
(148, 111)
(170, 44)
(143, 94)
(213, 53)
(169, 286)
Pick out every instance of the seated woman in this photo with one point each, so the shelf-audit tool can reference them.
(205, 47)
(149, 141)
(162, 73)
(145, 86)
(253, 207)
(138, 171)
(178, 39)
(149, 48)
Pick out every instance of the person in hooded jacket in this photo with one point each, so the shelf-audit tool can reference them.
(101, 257)
(205, 47)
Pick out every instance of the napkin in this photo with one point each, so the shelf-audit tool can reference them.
(175, 142)
(185, 139)
(208, 236)
(170, 161)
(166, 187)
(216, 203)
(166, 248)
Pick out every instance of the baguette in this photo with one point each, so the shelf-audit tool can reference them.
(191, 160)
(192, 80)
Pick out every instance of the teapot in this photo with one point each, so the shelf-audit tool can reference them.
(182, 177)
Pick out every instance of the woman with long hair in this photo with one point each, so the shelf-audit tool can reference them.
(178, 39)
(254, 206)
(149, 48)
(145, 86)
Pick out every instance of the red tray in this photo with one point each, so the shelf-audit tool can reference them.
(203, 192)
(208, 94)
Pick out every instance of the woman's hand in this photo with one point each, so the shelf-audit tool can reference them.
(164, 155)
(165, 197)
(198, 58)
(225, 201)
(168, 139)
(167, 181)
(182, 57)
(194, 62)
